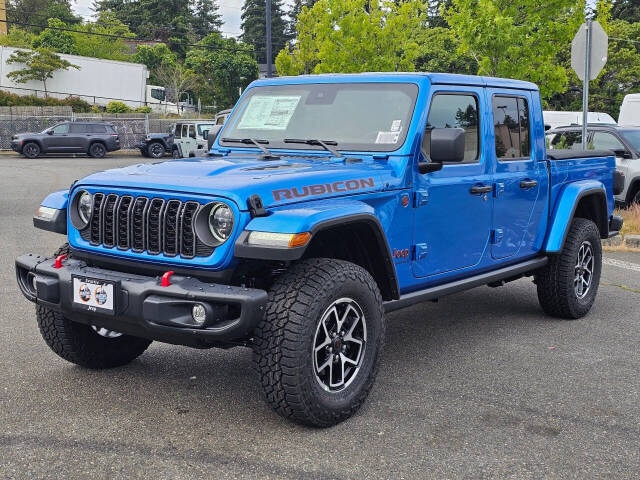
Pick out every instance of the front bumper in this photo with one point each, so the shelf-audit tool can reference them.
(143, 307)
(16, 146)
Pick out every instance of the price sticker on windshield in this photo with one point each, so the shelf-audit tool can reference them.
(388, 137)
(269, 112)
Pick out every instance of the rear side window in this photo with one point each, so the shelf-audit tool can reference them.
(178, 131)
(97, 128)
(566, 141)
(454, 111)
(192, 130)
(511, 127)
(78, 128)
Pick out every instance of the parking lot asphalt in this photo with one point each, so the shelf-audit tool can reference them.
(479, 385)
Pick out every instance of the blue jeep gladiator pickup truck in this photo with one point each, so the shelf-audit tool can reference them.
(324, 202)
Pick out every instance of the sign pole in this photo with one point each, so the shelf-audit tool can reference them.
(585, 88)
(269, 53)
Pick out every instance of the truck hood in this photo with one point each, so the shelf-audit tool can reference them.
(291, 179)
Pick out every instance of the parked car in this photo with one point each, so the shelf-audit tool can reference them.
(93, 138)
(181, 139)
(623, 141)
(331, 199)
(630, 111)
(555, 119)
(222, 115)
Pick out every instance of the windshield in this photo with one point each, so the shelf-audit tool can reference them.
(358, 116)
(204, 127)
(633, 137)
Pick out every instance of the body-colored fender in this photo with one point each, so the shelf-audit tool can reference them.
(565, 210)
(57, 200)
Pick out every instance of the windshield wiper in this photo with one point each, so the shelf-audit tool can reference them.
(326, 144)
(257, 142)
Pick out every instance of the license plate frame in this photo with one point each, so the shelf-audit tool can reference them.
(95, 295)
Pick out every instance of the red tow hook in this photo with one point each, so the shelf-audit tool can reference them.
(165, 282)
(59, 259)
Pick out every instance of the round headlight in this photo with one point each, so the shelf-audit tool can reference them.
(221, 222)
(85, 205)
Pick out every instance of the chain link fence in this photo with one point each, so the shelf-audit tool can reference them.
(132, 127)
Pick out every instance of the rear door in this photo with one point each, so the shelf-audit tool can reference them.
(518, 203)
(78, 137)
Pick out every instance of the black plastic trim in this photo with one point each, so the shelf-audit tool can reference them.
(432, 293)
(57, 223)
(615, 225)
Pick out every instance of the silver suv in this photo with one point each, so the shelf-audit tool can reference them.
(624, 141)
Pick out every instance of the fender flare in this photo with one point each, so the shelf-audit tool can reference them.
(632, 187)
(329, 215)
(58, 222)
(565, 209)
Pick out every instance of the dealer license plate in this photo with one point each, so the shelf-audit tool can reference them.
(94, 295)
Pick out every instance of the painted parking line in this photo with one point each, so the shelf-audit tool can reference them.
(621, 264)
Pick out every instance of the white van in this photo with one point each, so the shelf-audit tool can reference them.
(630, 111)
(563, 119)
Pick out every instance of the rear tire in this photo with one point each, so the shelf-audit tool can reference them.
(82, 344)
(156, 150)
(635, 200)
(568, 284)
(97, 150)
(175, 153)
(31, 150)
(301, 345)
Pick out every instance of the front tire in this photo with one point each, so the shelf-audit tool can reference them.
(317, 350)
(156, 150)
(568, 284)
(85, 345)
(31, 150)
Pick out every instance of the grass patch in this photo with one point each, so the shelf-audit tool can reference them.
(631, 218)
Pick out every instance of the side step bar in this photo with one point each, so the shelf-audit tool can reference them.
(438, 291)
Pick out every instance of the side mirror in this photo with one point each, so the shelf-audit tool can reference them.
(192, 135)
(622, 153)
(547, 127)
(49, 132)
(447, 145)
(212, 135)
(205, 133)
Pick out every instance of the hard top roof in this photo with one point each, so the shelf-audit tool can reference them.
(434, 78)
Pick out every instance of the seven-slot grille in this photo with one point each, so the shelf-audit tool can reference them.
(154, 225)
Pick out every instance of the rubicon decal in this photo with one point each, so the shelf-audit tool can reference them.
(323, 188)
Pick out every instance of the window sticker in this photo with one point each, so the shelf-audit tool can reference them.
(388, 137)
(396, 126)
(269, 113)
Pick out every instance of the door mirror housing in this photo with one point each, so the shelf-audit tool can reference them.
(622, 153)
(447, 145)
(213, 134)
(49, 132)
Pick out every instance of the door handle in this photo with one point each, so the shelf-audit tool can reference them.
(480, 189)
(528, 183)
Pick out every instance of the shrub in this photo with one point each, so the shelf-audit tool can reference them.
(8, 99)
(118, 107)
(145, 109)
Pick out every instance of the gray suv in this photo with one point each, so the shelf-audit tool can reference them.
(94, 139)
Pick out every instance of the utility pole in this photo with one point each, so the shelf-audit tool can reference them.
(269, 66)
(3, 17)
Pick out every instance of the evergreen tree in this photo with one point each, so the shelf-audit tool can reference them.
(627, 10)
(294, 12)
(254, 27)
(206, 18)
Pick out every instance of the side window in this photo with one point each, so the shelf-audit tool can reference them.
(605, 141)
(185, 131)
(78, 128)
(60, 129)
(178, 130)
(511, 127)
(97, 129)
(192, 131)
(454, 111)
(566, 140)
(158, 94)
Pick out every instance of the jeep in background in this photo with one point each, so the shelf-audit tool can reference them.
(326, 201)
(92, 138)
(181, 139)
(623, 141)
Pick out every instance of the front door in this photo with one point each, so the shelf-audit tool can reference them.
(58, 140)
(452, 207)
(519, 177)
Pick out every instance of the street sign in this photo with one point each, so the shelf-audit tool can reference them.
(599, 44)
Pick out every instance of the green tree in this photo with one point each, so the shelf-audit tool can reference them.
(254, 27)
(206, 18)
(38, 64)
(20, 11)
(56, 40)
(176, 79)
(517, 38)
(100, 46)
(438, 52)
(223, 68)
(627, 10)
(17, 37)
(354, 36)
(153, 56)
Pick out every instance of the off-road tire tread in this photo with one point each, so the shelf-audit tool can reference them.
(278, 336)
(79, 344)
(554, 295)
